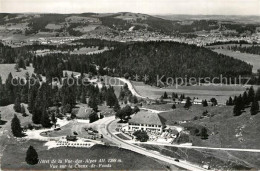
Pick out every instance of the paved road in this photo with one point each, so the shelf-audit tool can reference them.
(131, 87)
(105, 129)
(208, 148)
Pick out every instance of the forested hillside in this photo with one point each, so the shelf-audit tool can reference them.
(171, 59)
(251, 49)
(151, 58)
(11, 55)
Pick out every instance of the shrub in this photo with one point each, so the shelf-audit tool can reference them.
(141, 135)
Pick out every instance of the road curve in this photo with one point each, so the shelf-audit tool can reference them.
(131, 87)
(104, 129)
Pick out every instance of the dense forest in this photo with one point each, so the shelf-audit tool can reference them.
(151, 58)
(249, 49)
(76, 44)
(158, 24)
(12, 55)
(240, 28)
(170, 59)
(240, 42)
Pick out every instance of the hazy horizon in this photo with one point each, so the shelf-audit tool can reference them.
(152, 7)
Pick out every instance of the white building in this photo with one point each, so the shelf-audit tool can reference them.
(147, 121)
(197, 101)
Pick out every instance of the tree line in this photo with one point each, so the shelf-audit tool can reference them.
(249, 98)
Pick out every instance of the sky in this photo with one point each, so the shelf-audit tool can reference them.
(204, 7)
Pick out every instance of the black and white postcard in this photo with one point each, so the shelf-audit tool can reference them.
(163, 85)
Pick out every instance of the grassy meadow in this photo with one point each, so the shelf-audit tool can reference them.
(5, 69)
(220, 92)
(252, 59)
(14, 157)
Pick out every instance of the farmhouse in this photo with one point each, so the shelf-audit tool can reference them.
(197, 101)
(146, 121)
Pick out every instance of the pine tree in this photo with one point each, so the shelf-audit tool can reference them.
(238, 106)
(31, 99)
(254, 107)
(116, 106)
(257, 95)
(31, 156)
(245, 99)
(110, 97)
(121, 94)
(188, 103)
(16, 67)
(93, 117)
(205, 103)
(36, 115)
(204, 133)
(53, 119)
(45, 119)
(16, 127)
(93, 103)
(135, 100)
(165, 95)
(174, 96)
(83, 98)
(17, 105)
(136, 109)
(214, 101)
(230, 102)
(227, 104)
(235, 99)
(251, 94)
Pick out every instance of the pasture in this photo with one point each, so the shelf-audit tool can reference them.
(5, 69)
(252, 59)
(219, 160)
(181, 114)
(220, 92)
(86, 29)
(14, 157)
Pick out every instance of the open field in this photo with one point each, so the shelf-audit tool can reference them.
(14, 157)
(249, 58)
(53, 26)
(86, 29)
(7, 114)
(9, 68)
(221, 160)
(226, 130)
(221, 93)
(182, 114)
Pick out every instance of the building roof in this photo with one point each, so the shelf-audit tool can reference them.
(198, 100)
(144, 117)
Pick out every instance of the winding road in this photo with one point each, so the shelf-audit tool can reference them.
(105, 129)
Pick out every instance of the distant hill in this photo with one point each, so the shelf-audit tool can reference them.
(235, 18)
(80, 24)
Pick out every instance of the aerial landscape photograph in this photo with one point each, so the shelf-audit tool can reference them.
(163, 85)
